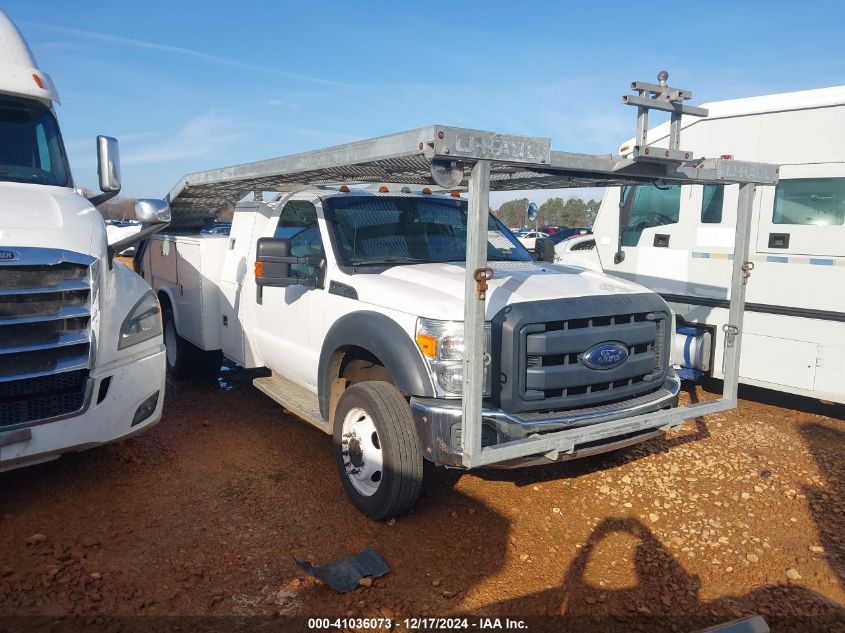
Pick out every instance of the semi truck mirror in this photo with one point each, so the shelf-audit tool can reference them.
(152, 211)
(108, 164)
(153, 215)
(108, 169)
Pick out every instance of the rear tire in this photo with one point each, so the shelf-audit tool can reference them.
(377, 451)
(184, 359)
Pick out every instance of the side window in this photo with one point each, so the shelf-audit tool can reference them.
(586, 245)
(43, 157)
(298, 223)
(712, 201)
(646, 206)
(819, 201)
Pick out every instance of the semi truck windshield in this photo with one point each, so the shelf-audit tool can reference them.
(31, 148)
(375, 230)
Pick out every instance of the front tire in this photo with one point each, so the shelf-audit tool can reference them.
(377, 451)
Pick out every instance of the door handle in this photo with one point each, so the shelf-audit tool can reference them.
(778, 240)
(661, 240)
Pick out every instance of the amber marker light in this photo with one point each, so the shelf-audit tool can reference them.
(428, 345)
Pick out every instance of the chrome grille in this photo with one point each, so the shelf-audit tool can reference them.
(45, 334)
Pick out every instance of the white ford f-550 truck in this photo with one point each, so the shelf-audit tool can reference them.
(414, 326)
(81, 351)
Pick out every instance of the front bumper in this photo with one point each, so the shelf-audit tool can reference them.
(109, 413)
(438, 425)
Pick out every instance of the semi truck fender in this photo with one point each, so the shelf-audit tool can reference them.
(171, 297)
(384, 339)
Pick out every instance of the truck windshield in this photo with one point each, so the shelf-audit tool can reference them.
(30, 144)
(375, 230)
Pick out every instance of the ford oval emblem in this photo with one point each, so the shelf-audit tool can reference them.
(8, 256)
(604, 355)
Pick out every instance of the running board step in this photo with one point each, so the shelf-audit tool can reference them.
(293, 397)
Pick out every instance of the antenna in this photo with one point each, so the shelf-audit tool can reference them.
(661, 96)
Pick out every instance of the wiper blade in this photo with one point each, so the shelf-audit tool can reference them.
(390, 260)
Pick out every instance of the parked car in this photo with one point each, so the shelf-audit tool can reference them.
(529, 238)
(578, 250)
(565, 233)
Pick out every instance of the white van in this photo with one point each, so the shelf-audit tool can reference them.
(679, 242)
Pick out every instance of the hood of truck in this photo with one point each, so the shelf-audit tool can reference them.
(49, 217)
(437, 290)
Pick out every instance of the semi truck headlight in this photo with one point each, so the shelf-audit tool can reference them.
(442, 345)
(142, 324)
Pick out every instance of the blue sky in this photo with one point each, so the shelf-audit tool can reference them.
(190, 85)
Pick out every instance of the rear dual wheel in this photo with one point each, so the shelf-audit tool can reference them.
(184, 359)
(377, 451)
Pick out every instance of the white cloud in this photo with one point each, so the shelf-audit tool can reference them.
(277, 103)
(201, 136)
(58, 45)
(185, 52)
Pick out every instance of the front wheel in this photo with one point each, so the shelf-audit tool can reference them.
(377, 450)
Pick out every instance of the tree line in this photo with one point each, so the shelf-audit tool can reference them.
(555, 211)
(573, 212)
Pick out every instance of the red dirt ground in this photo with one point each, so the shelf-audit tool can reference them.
(739, 513)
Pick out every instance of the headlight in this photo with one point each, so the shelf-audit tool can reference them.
(142, 324)
(442, 345)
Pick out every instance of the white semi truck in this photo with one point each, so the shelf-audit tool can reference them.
(81, 351)
(413, 326)
(678, 241)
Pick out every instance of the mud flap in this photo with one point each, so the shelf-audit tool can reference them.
(345, 575)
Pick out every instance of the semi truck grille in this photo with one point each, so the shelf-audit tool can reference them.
(34, 399)
(542, 348)
(45, 334)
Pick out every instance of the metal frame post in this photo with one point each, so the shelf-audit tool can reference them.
(474, 312)
(741, 270)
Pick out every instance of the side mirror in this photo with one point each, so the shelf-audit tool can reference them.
(153, 216)
(108, 169)
(532, 212)
(108, 164)
(273, 265)
(544, 249)
(152, 211)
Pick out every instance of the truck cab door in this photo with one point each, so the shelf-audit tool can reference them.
(653, 241)
(289, 320)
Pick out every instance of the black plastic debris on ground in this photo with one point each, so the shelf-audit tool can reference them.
(344, 576)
